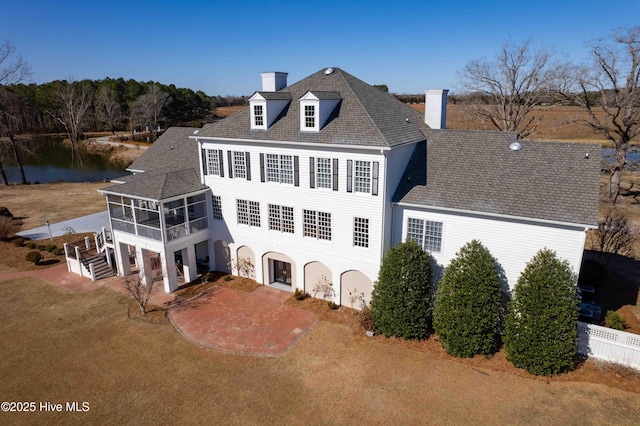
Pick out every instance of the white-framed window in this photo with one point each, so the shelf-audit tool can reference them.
(213, 161)
(216, 201)
(362, 176)
(248, 212)
(279, 168)
(360, 232)
(427, 233)
(317, 224)
(258, 115)
(281, 218)
(309, 116)
(239, 164)
(324, 173)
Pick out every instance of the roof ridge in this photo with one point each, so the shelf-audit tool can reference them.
(375, 125)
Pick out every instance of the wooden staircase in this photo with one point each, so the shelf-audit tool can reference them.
(100, 266)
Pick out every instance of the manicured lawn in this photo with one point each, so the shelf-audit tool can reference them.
(57, 346)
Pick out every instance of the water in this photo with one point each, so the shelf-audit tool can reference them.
(54, 163)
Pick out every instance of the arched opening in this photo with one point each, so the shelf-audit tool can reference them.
(279, 271)
(314, 272)
(355, 288)
(245, 262)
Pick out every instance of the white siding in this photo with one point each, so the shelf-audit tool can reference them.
(512, 243)
(339, 254)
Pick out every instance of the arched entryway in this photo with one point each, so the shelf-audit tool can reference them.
(355, 285)
(313, 273)
(279, 271)
(223, 256)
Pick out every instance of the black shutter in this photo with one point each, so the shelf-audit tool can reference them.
(205, 166)
(349, 175)
(312, 173)
(261, 167)
(374, 181)
(229, 157)
(296, 170)
(335, 174)
(247, 159)
(221, 161)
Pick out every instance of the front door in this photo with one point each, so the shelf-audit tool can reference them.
(282, 272)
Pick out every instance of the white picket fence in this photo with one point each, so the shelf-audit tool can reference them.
(609, 344)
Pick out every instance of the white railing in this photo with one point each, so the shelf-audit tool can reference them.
(197, 225)
(149, 232)
(609, 344)
(120, 225)
(177, 231)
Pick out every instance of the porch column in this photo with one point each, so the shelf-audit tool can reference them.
(169, 276)
(189, 264)
(212, 254)
(144, 265)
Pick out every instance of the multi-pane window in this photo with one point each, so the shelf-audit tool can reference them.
(213, 161)
(427, 233)
(309, 116)
(248, 212)
(317, 224)
(360, 232)
(324, 173)
(258, 115)
(362, 176)
(280, 168)
(217, 207)
(281, 218)
(239, 164)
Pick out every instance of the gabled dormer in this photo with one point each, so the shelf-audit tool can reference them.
(266, 107)
(315, 108)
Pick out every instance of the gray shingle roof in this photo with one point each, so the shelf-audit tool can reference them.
(172, 151)
(476, 171)
(170, 165)
(365, 116)
(158, 185)
(276, 96)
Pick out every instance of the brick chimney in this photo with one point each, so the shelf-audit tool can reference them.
(435, 108)
(273, 81)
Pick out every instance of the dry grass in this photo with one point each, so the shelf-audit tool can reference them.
(58, 347)
(55, 202)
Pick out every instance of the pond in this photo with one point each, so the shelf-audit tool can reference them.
(54, 162)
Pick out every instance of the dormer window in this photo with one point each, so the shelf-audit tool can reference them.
(266, 108)
(258, 115)
(316, 108)
(309, 116)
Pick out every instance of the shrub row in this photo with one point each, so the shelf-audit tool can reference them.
(470, 310)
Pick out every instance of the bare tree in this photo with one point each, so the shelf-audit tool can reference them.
(517, 79)
(609, 91)
(73, 102)
(15, 116)
(108, 109)
(151, 105)
(140, 290)
(13, 70)
(613, 234)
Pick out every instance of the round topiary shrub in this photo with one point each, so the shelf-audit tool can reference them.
(31, 245)
(467, 312)
(402, 296)
(541, 328)
(33, 256)
(18, 242)
(614, 320)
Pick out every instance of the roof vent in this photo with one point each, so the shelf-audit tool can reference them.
(328, 71)
(515, 146)
(195, 132)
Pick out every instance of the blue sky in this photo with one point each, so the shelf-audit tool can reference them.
(220, 47)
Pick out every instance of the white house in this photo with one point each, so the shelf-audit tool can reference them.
(321, 177)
